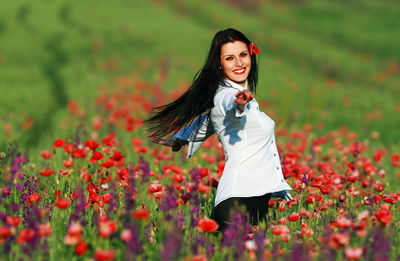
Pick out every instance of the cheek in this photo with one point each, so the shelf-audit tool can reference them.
(225, 67)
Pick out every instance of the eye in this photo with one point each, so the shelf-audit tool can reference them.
(229, 58)
(243, 54)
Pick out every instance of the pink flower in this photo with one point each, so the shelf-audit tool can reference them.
(353, 253)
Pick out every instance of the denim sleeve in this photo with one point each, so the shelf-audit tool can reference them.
(195, 133)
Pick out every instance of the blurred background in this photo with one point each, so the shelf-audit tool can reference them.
(324, 65)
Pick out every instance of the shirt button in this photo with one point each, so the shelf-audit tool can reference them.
(282, 180)
(277, 168)
(272, 141)
(274, 154)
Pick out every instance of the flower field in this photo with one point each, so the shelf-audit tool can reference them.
(80, 180)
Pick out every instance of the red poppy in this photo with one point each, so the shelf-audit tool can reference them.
(4, 233)
(97, 155)
(158, 194)
(142, 150)
(104, 255)
(141, 213)
(94, 196)
(378, 186)
(80, 248)
(117, 156)
(343, 222)
(136, 142)
(221, 165)
(390, 199)
(75, 229)
(79, 153)
(69, 148)
(91, 144)
(305, 231)
(153, 187)
(44, 230)
(46, 172)
(178, 178)
(383, 215)
(25, 235)
(204, 172)
(62, 203)
(13, 221)
(106, 228)
(204, 189)
(34, 198)
(395, 159)
(279, 229)
(108, 163)
(378, 155)
(207, 225)
(68, 163)
(58, 143)
(339, 240)
(123, 173)
(293, 217)
(282, 220)
(106, 198)
(110, 140)
(46, 154)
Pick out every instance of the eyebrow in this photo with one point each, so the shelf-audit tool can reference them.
(234, 55)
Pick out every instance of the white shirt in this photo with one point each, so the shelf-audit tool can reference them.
(252, 166)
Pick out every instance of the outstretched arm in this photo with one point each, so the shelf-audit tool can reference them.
(242, 98)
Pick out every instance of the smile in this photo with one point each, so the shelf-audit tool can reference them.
(239, 71)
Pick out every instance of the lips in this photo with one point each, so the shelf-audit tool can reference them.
(240, 71)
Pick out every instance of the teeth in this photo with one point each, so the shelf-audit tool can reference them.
(240, 71)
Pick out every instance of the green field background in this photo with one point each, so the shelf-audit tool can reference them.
(332, 64)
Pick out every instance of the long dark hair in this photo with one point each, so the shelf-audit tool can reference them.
(168, 119)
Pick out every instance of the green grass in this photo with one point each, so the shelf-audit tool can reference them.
(303, 45)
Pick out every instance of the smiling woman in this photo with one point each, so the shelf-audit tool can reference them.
(236, 62)
(219, 102)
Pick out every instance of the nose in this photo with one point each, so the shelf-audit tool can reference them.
(239, 62)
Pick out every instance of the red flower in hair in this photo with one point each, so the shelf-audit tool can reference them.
(253, 49)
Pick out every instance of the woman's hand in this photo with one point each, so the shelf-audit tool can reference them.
(242, 98)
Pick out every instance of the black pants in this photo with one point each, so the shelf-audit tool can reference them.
(256, 207)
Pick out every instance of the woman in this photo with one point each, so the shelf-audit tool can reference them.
(221, 101)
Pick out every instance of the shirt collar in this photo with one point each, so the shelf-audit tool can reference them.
(233, 84)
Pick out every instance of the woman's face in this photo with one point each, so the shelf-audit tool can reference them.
(235, 62)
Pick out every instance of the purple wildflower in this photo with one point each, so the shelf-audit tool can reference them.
(144, 166)
(210, 251)
(172, 244)
(236, 234)
(169, 200)
(195, 175)
(3, 217)
(379, 247)
(79, 210)
(133, 245)
(259, 240)
(299, 253)
(198, 241)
